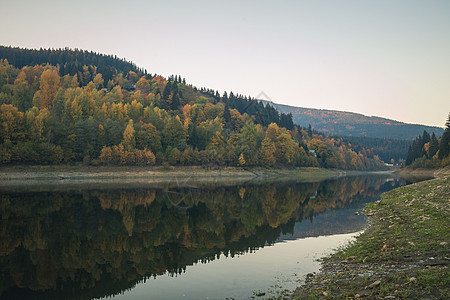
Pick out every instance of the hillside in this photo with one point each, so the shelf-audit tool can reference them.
(52, 115)
(342, 123)
(70, 62)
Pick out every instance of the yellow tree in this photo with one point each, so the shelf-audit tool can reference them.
(11, 123)
(48, 86)
(285, 147)
(98, 81)
(129, 141)
(40, 122)
(272, 132)
(143, 85)
(106, 155)
(268, 152)
(23, 96)
(241, 160)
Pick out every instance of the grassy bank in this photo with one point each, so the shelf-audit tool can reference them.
(404, 254)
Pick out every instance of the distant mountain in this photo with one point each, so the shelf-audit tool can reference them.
(343, 123)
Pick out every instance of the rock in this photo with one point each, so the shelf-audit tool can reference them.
(369, 214)
(374, 284)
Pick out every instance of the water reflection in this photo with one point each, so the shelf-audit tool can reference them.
(95, 242)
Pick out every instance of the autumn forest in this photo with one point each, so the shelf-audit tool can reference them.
(72, 106)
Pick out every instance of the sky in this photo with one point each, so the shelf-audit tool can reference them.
(379, 58)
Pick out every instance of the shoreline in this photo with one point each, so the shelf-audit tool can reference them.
(61, 174)
(52, 178)
(104, 172)
(402, 254)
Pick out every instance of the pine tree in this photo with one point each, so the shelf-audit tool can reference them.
(434, 146)
(227, 116)
(444, 143)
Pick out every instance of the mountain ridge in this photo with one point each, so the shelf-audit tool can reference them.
(344, 123)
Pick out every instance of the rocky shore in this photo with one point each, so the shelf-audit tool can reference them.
(404, 254)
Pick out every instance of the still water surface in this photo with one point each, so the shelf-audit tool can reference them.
(183, 241)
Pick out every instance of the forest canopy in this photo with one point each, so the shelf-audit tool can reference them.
(71, 106)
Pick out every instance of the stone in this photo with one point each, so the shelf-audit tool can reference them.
(374, 284)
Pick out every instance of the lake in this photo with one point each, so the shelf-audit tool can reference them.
(179, 240)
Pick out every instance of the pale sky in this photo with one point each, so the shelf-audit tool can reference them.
(383, 58)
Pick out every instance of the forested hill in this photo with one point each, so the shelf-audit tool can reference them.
(52, 115)
(352, 124)
(70, 61)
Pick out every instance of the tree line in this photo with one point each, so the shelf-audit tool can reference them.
(389, 150)
(138, 119)
(70, 62)
(428, 151)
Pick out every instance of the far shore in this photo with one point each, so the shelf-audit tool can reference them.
(65, 174)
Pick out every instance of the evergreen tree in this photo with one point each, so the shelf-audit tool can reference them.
(425, 137)
(434, 146)
(444, 143)
(227, 116)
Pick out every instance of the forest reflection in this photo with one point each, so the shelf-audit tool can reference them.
(94, 243)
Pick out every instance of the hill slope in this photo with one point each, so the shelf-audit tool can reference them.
(344, 123)
(51, 113)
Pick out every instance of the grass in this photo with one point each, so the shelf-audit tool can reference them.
(404, 254)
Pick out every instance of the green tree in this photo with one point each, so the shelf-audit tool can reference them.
(11, 123)
(148, 137)
(22, 93)
(174, 134)
(249, 140)
(227, 116)
(444, 143)
(434, 146)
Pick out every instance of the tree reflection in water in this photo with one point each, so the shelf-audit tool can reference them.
(99, 242)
